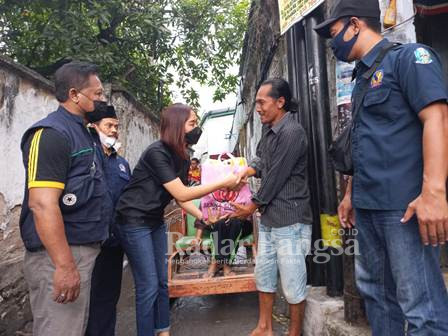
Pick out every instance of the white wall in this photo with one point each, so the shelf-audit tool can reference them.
(23, 104)
(138, 128)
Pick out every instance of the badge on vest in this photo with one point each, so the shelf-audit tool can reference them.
(422, 56)
(377, 79)
(122, 168)
(69, 199)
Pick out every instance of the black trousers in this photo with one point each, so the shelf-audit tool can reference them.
(105, 292)
(225, 235)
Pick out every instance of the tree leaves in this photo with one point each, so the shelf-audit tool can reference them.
(140, 44)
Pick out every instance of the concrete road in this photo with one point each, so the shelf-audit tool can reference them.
(216, 315)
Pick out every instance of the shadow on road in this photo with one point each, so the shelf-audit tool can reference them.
(217, 315)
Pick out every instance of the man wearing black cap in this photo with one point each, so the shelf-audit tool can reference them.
(400, 161)
(107, 273)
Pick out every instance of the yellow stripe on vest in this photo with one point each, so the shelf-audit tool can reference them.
(34, 156)
(37, 153)
(46, 184)
(31, 158)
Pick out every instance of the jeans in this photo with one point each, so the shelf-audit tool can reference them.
(146, 249)
(399, 278)
(283, 250)
(105, 292)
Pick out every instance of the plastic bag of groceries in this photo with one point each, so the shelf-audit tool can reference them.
(215, 169)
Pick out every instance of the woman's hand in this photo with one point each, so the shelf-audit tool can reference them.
(244, 174)
(231, 181)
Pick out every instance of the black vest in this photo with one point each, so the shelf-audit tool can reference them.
(85, 204)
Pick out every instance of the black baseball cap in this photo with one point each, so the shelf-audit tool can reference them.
(343, 8)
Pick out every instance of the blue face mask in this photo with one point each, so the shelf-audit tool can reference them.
(341, 48)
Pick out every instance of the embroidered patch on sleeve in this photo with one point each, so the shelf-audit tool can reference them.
(422, 56)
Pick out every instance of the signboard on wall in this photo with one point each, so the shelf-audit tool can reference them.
(292, 11)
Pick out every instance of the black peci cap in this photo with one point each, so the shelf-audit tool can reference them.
(97, 115)
(343, 8)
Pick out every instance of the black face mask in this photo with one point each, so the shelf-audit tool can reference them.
(193, 136)
(341, 48)
(100, 109)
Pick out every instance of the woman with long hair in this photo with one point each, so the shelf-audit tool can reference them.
(160, 175)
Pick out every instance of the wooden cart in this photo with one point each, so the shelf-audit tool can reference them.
(187, 265)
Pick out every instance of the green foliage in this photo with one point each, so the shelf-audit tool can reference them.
(143, 45)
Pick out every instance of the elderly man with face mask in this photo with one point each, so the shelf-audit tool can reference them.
(107, 273)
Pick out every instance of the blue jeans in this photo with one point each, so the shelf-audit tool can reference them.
(399, 278)
(283, 250)
(146, 250)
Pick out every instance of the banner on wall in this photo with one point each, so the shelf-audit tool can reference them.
(292, 11)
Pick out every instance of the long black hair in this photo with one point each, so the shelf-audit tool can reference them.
(280, 88)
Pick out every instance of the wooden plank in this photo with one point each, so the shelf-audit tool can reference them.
(220, 285)
(195, 274)
(176, 226)
(172, 265)
(187, 276)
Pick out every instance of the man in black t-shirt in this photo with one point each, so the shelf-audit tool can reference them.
(63, 217)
